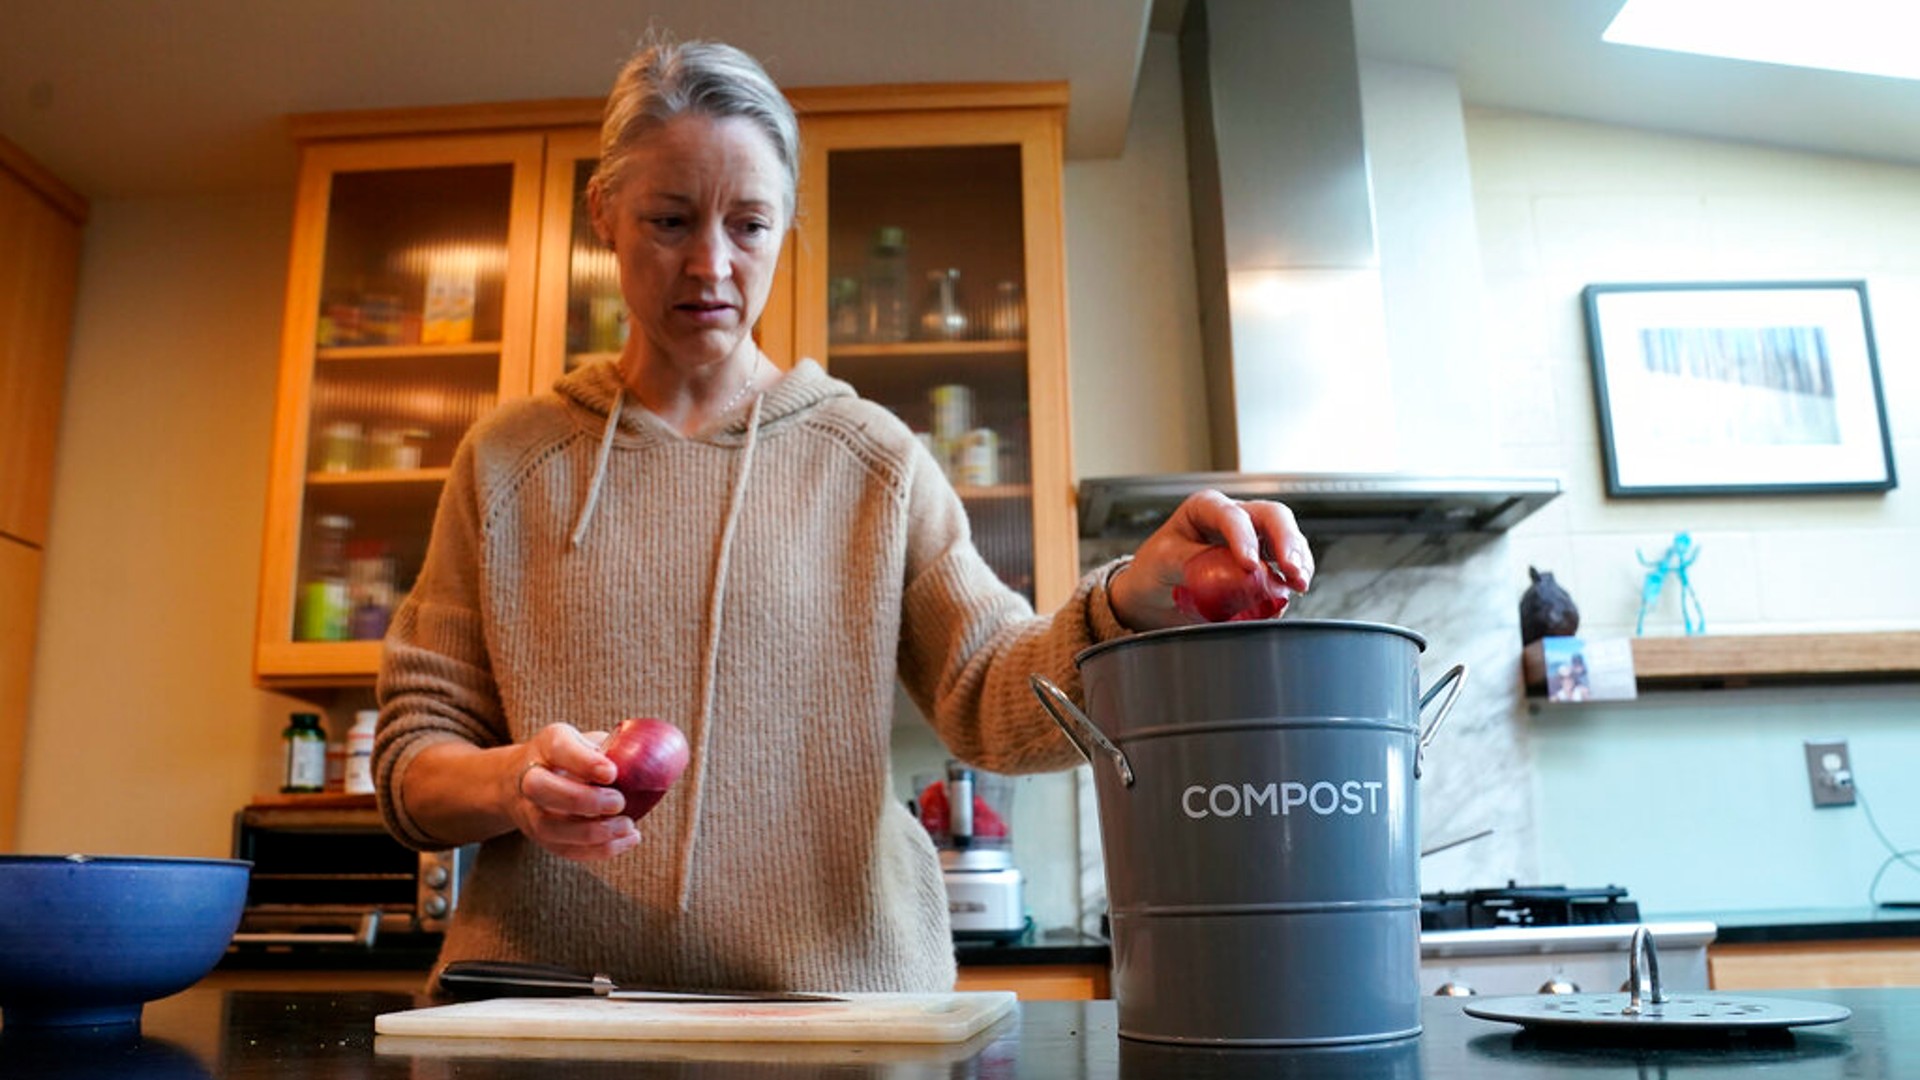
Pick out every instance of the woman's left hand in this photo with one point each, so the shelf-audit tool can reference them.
(1256, 531)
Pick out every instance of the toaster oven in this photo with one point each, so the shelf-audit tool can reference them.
(333, 875)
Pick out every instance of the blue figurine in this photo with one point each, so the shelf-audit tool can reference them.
(1679, 555)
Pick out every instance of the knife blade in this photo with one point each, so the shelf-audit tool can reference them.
(474, 980)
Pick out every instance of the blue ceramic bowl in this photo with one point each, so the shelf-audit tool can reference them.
(91, 939)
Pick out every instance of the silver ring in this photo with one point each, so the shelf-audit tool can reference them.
(520, 784)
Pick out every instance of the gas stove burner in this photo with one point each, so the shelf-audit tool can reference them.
(1526, 905)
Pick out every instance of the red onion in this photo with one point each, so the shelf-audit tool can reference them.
(1216, 588)
(650, 755)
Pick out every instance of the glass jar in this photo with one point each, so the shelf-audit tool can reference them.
(886, 286)
(342, 447)
(1007, 311)
(324, 602)
(369, 589)
(844, 320)
(941, 317)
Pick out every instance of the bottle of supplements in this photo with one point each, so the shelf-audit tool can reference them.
(360, 752)
(306, 754)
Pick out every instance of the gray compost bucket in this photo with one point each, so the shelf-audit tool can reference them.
(1257, 807)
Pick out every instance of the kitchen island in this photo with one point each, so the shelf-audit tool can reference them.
(206, 1032)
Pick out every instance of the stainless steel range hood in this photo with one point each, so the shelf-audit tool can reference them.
(1325, 504)
(1332, 359)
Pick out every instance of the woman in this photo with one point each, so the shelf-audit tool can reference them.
(757, 557)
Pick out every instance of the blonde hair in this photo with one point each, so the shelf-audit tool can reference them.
(665, 79)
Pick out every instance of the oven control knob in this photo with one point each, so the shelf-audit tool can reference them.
(436, 876)
(1558, 985)
(436, 906)
(1454, 989)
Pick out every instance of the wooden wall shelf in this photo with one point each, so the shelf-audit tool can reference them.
(1732, 660)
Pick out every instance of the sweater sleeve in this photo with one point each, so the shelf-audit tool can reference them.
(969, 643)
(436, 681)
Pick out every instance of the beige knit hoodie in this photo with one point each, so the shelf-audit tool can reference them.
(763, 588)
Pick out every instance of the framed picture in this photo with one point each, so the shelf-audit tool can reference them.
(1738, 388)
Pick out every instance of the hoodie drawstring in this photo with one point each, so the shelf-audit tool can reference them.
(599, 469)
(710, 654)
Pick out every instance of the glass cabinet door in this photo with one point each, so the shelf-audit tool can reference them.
(931, 281)
(581, 315)
(409, 306)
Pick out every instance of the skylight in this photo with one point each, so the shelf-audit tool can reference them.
(1869, 37)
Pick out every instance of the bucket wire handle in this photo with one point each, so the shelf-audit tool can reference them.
(1643, 975)
(1078, 729)
(1453, 681)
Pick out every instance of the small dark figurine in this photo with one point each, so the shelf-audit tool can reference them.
(1546, 610)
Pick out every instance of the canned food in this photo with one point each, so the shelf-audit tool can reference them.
(952, 412)
(977, 464)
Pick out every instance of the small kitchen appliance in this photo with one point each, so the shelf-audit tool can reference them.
(966, 813)
(329, 875)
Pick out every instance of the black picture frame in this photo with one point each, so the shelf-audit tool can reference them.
(1737, 388)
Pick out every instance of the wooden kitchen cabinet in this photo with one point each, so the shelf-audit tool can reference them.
(1039, 982)
(40, 223)
(391, 202)
(957, 190)
(409, 315)
(19, 621)
(1822, 964)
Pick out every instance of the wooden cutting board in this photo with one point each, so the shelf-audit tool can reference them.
(865, 1018)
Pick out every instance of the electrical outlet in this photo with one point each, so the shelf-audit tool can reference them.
(1830, 773)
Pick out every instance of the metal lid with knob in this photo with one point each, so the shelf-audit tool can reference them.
(1646, 1008)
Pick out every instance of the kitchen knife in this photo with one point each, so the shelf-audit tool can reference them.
(472, 980)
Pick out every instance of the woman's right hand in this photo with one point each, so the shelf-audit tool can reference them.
(553, 793)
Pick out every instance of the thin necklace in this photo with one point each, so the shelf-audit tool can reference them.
(752, 374)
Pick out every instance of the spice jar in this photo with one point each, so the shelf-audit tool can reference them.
(342, 447)
(1007, 313)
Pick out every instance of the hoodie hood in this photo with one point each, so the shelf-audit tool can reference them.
(596, 387)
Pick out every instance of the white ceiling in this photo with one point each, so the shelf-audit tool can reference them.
(135, 97)
(1547, 56)
(122, 97)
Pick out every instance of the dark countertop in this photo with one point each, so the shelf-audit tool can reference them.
(1072, 947)
(417, 953)
(1806, 924)
(207, 1033)
(1051, 947)
(1734, 927)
